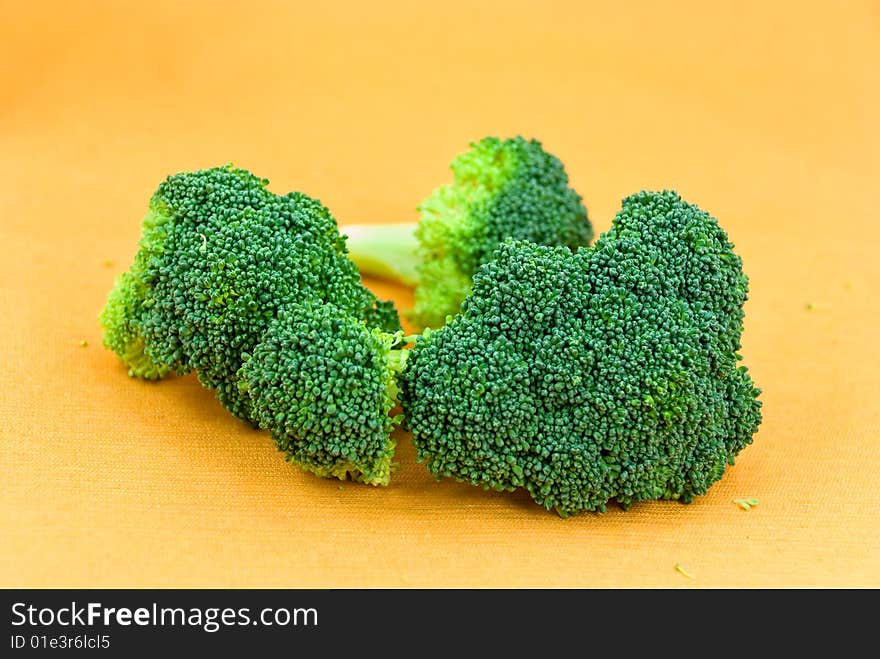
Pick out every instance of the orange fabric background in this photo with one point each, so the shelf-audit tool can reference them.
(764, 114)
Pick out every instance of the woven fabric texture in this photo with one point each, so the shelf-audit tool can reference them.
(763, 114)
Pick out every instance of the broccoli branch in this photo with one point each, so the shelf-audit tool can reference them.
(387, 251)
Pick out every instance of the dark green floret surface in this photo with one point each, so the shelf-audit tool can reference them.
(323, 384)
(607, 374)
(220, 257)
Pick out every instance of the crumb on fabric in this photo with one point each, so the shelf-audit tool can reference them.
(746, 504)
(681, 570)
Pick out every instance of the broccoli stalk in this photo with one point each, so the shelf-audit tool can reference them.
(395, 363)
(388, 251)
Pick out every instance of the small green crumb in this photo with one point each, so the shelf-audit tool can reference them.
(681, 570)
(83, 344)
(746, 504)
(809, 306)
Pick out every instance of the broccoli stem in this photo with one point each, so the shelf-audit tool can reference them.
(387, 251)
(395, 363)
(397, 359)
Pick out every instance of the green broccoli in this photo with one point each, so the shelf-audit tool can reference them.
(324, 384)
(606, 374)
(502, 189)
(229, 279)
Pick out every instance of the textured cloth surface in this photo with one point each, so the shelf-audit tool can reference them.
(763, 114)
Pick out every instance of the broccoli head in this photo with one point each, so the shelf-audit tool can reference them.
(607, 374)
(324, 384)
(502, 189)
(223, 264)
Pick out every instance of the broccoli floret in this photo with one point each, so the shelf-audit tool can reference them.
(324, 385)
(130, 301)
(221, 257)
(502, 189)
(607, 374)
